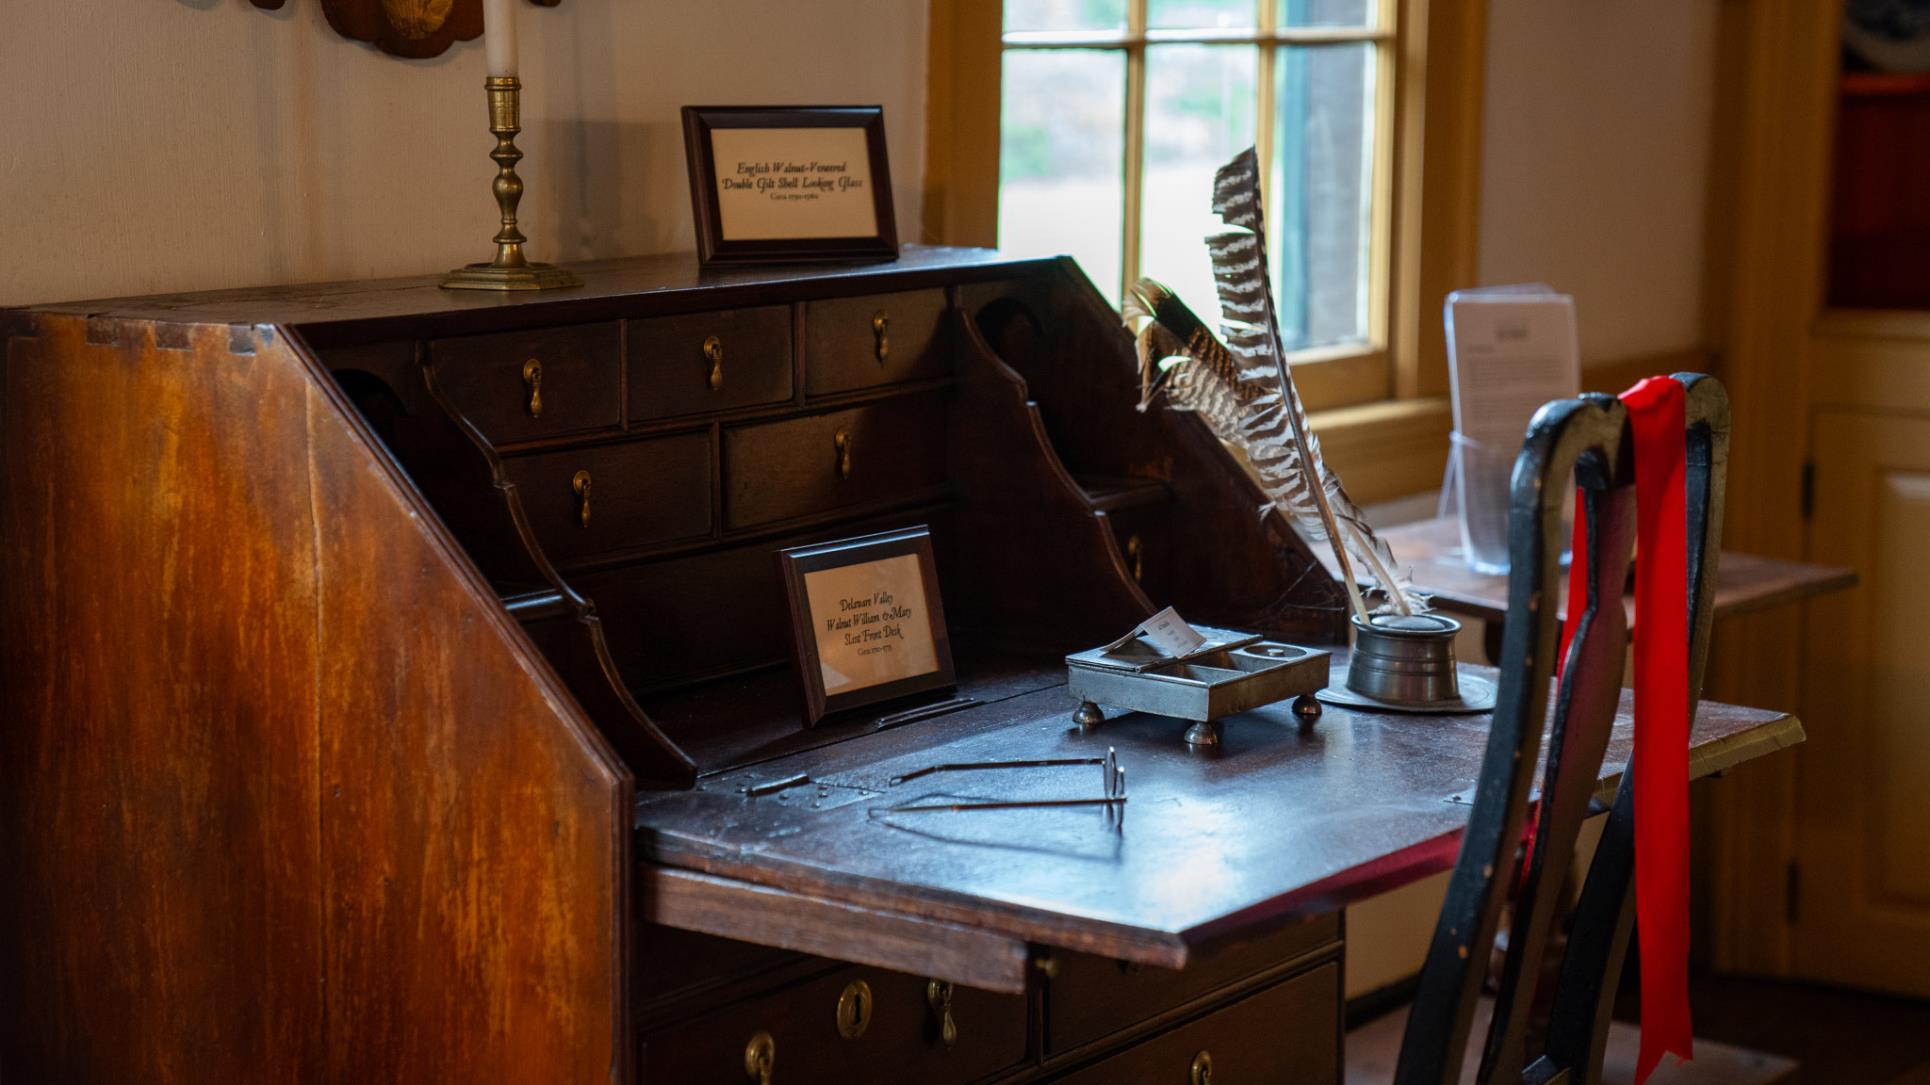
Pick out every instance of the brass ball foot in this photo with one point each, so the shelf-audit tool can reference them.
(1306, 709)
(1206, 734)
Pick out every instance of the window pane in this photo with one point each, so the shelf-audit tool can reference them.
(1320, 217)
(1199, 113)
(1065, 14)
(1201, 14)
(1061, 148)
(1327, 12)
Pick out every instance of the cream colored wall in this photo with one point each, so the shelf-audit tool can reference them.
(1595, 163)
(188, 144)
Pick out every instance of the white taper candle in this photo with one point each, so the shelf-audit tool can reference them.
(499, 36)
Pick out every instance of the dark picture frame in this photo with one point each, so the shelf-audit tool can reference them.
(798, 563)
(713, 247)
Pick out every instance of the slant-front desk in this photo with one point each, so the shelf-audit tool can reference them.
(399, 688)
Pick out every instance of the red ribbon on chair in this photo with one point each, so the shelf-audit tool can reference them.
(1661, 761)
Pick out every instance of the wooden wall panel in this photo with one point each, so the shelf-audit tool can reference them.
(160, 916)
(497, 831)
(267, 738)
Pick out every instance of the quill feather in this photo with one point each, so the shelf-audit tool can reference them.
(1245, 391)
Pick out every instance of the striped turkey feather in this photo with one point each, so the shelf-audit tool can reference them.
(1244, 390)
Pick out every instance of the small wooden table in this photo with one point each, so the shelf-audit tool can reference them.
(1744, 582)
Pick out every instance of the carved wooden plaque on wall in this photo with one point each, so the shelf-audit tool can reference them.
(405, 28)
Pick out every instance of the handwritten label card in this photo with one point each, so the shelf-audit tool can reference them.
(871, 623)
(867, 620)
(788, 183)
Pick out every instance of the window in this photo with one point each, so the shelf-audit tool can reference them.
(1093, 127)
(1115, 114)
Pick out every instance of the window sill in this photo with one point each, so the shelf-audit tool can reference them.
(1388, 449)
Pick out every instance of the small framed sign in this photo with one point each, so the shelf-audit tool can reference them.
(867, 620)
(781, 183)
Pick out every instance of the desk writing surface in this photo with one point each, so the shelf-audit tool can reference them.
(1744, 582)
(1276, 824)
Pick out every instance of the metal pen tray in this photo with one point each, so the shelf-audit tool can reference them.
(1231, 673)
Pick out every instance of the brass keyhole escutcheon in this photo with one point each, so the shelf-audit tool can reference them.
(714, 354)
(760, 1057)
(938, 995)
(1203, 1068)
(580, 486)
(881, 331)
(533, 380)
(842, 442)
(854, 1009)
(1136, 553)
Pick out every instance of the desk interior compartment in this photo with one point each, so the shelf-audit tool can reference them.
(874, 339)
(533, 384)
(609, 498)
(695, 363)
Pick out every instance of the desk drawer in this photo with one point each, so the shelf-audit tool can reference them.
(640, 493)
(902, 1041)
(1288, 1034)
(863, 342)
(891, 449)
(1089, 998)
(709, 361)
(545, 382)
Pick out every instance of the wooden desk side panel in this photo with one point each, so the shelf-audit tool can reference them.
(284, 794)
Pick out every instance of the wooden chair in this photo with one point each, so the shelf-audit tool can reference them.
(1590, 437)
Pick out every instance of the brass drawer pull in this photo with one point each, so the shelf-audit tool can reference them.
(580, 486)
(854, 1009)
(938, 995)
(843, 444)
(1203, 1068)
(760, 1055)
(881, 331)
(533, 379)
(1136, 553)
(714, 354)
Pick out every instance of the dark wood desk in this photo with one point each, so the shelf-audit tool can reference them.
(344, 743)
(1276, 825)
(1744, 582)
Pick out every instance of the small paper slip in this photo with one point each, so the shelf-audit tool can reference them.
(1168, 632)
(1510, 350)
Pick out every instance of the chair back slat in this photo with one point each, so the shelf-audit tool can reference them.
(1604, 917)
(1588, 439)
(1588, 694)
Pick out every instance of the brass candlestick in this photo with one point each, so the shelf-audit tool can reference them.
(509, 270)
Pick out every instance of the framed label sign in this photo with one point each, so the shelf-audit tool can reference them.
(778, 183)
(866, 620)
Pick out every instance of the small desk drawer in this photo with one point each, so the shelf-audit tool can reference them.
(639, 493)
(1089, 998)
(709, 361)
(1288, 1034)
(901, 1041)
(518, 386)
(863, 342)
(778, 470)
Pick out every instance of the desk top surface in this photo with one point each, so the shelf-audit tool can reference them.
(418, 305)
(1744, 582)
(1276, 824)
